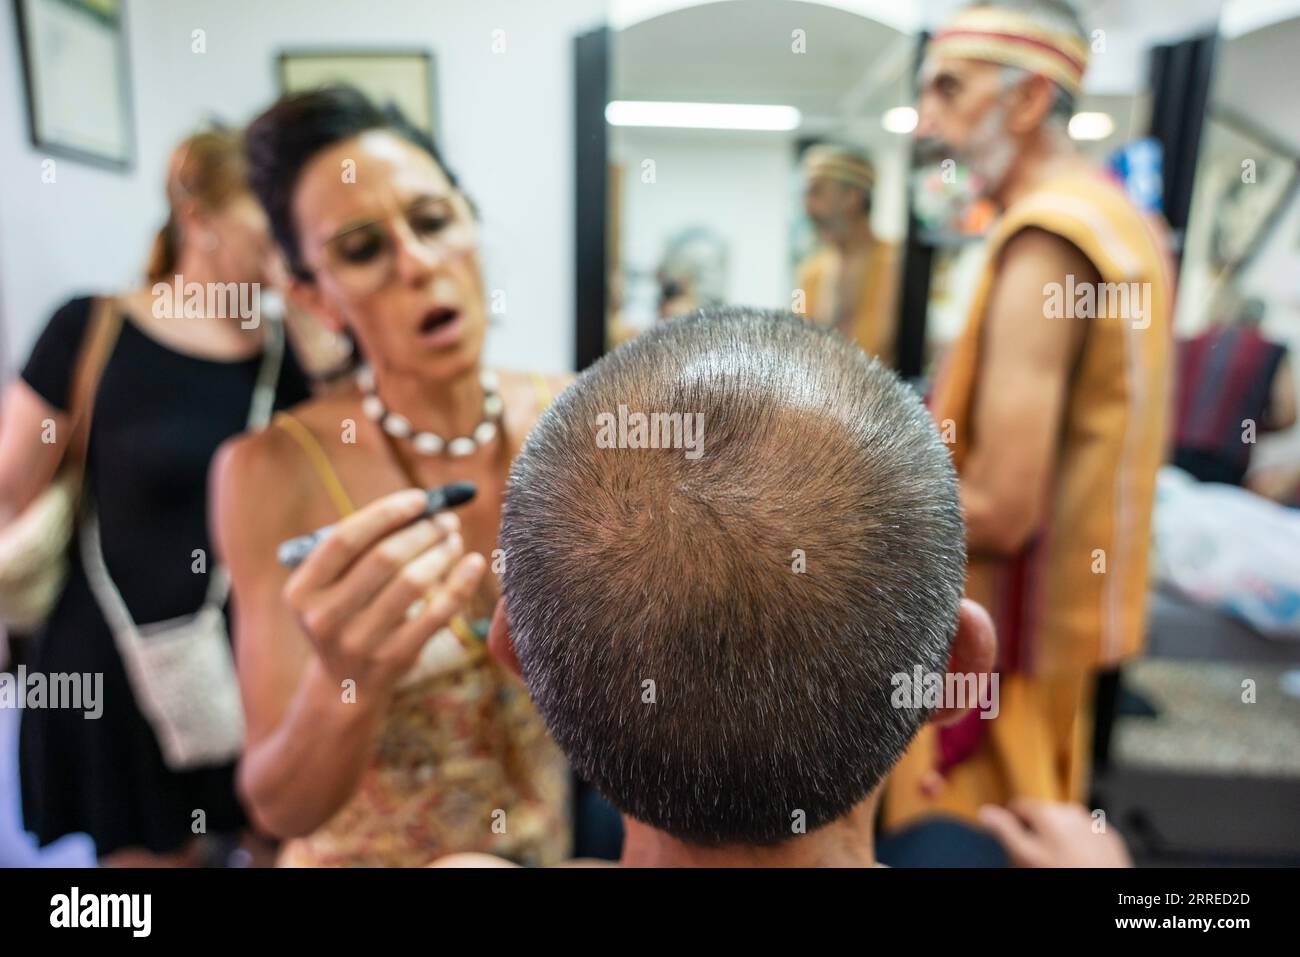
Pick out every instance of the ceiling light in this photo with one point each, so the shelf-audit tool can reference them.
(901, 119)
(702, 116)
(1091, 126)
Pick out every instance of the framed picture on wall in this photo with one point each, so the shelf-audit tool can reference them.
(404, 78)
(1251, 178)
(78, 79)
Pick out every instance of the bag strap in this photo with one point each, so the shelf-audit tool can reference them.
(101, 583)
(268, 377)
(97, 346)
(109, 599)
(259, 414)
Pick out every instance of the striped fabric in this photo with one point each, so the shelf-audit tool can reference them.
(1013, 38)
(1224, 380)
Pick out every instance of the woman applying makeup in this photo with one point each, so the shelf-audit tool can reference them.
(379, 731)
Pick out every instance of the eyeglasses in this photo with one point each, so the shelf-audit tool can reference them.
(362, 258)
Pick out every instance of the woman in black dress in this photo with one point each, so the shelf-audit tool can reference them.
(174, 388)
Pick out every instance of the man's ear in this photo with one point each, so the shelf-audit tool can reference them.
(974, 652)
(499, 642)
(1033, 101)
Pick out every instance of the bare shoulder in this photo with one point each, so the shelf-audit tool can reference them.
(816, 262)
(890, 251)
(1037, 267)
(263, 485)
(552, 383)
(1034, 251)
(527, 394)
(557, 383)
(325, 416)
(256, 484)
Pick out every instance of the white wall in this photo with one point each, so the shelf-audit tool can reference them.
(739, 185)
(506, 124)
(90, 228)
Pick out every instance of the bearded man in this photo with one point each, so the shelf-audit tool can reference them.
(1053, 401)
(851, 281)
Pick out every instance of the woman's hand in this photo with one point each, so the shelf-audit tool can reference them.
(1038, 833)
(372, 593)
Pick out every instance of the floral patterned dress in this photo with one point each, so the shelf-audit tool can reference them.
(462, 762)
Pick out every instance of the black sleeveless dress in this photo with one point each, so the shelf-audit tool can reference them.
(158, 420)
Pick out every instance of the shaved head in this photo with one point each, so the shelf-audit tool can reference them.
(711, 637)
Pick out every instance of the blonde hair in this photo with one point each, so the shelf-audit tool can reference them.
(206, 168)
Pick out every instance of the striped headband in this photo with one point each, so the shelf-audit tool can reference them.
(840, 166)
(1014, 39)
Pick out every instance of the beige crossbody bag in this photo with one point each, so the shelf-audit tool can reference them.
(182, 671)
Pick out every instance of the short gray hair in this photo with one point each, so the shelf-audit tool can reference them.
(677, 654)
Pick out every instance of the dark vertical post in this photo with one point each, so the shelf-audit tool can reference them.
(1180, 85)
(597, 827)
(914, 299)
(914, 294)
(591, 196)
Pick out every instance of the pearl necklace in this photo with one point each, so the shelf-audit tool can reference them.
(428, 443)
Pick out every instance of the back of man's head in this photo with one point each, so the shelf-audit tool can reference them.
(710, 635)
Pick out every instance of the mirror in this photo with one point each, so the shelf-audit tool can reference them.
(1247, 194)
(729, 122)
(1239, 289)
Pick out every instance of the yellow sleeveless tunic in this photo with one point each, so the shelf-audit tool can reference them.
(462, 761)
(1074, 599)
(874, 308)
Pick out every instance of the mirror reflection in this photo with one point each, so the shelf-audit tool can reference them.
(747, 169)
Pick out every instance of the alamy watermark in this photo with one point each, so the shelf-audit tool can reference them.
(211, 300)
(72, 691)
(651, 430)
(936, 689)
(133, 912)
(1128, 301)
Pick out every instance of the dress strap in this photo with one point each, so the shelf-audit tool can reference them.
(320, 462)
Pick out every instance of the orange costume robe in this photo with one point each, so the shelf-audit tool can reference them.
(1073, 599)
(873, 309)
